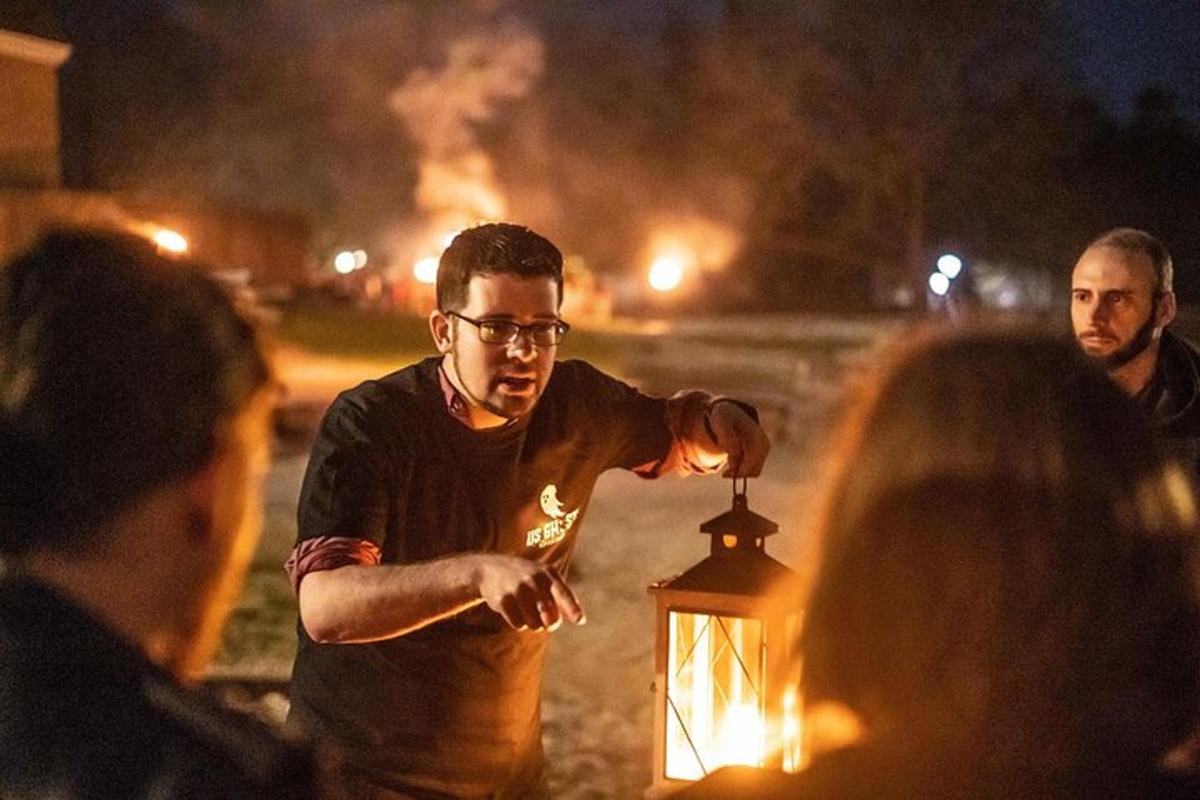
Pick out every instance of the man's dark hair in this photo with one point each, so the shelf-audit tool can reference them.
(1132, 240)
(495, 248)
(117, 369)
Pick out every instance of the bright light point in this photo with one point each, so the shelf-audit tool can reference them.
(360, 259)
(345, 262)
(741, 735)
(425, 270)
(949, 265)
(171, 241)
(939, 283)
(666, 273)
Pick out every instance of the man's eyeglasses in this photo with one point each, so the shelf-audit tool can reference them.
(497, 331)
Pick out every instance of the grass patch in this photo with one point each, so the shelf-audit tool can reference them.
(260, 638)
(343, 330)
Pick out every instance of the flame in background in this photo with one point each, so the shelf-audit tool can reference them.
(689, 246)
(168, 241)
(441, 107)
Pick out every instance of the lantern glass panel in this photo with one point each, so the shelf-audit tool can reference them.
(715, 705)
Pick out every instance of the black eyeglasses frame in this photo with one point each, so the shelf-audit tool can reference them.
(560, 327)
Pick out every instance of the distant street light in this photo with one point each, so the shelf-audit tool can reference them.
(950, 265)
(360, 259)
(666, 273)
(939, 284)
(345, 262)
(425, 270)
(171, 241)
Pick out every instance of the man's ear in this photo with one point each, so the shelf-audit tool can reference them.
(200, 499)
(439, 328)
(1165, 310)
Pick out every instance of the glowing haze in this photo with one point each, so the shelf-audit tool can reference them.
(440, 106)
(682, 250)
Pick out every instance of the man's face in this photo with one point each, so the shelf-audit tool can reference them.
(1114, 311)
(505, 380)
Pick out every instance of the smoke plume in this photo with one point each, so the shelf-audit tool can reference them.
(441, 108)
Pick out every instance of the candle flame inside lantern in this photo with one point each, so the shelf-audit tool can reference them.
(715, 705)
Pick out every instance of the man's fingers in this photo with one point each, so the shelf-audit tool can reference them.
(532, 599)
(567, 602)
(548, 614)
(510, 609)
(532, 596)
(545, 605)
(755, 456)
(733, 467)
(762, 448)
(748, 448)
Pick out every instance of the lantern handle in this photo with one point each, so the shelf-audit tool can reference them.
(745, 482)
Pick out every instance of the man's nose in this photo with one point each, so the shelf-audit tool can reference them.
(1099, 311)
(523, 346)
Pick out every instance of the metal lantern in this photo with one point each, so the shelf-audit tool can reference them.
(723, 651)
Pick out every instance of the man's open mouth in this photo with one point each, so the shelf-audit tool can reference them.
(515, 384)
(1097, 338)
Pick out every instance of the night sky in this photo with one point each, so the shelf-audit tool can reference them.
(1115, 47)
(1124, 45)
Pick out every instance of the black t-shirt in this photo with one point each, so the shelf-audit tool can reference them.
(85, 716)
(454, 707)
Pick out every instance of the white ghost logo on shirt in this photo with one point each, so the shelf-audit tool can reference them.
(550, 503)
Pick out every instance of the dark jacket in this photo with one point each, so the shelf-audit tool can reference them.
(1172, 399)
(84, 715)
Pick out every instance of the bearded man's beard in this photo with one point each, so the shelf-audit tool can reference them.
(1136, 346)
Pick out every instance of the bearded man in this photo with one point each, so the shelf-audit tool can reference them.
(1121, 304)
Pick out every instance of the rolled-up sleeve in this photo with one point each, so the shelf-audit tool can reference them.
(345, 498)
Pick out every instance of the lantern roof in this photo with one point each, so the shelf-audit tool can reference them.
(748, 572)
(740, 521)
(738, 563)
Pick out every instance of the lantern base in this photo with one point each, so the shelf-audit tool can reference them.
(736, 781)
(665, 788)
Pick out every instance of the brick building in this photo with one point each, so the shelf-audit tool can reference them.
(268, 249)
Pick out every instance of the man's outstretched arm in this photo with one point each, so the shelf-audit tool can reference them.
(370, 602)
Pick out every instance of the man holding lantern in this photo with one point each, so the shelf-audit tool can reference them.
(438, 518)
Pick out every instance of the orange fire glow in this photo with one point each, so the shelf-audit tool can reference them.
(425, 270)
(716, 717)
(682, 250)
(171, 241)
(666, 273)
(168, 242)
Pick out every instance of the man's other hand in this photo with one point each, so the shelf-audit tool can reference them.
(529, 595)
(741, 437)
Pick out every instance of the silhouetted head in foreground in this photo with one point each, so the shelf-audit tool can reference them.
(1007, 565)
(134, 411)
